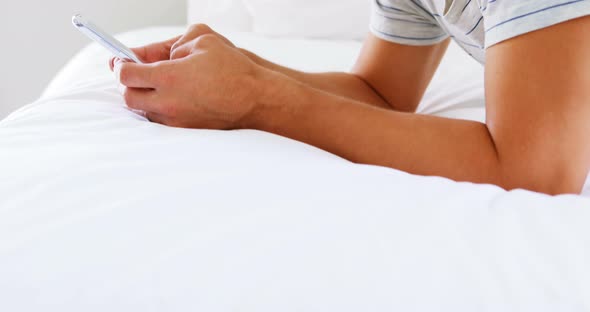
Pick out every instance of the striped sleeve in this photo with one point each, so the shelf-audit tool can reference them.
(405, 22)
(505, 19)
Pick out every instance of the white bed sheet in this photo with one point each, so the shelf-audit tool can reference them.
(103, 211)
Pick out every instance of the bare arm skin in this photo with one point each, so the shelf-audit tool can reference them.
(538, 107)
(537, 132)
(386, 75)
(538, 104)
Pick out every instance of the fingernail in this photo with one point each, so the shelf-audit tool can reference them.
(117, 69)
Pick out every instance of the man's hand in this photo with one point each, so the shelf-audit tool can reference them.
(151, 53)
(537, 115)
(200, 81)
(184, 46)
(175, 48)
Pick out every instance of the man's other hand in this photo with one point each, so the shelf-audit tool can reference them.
(152, 53)
(195, 81)
(175, 48)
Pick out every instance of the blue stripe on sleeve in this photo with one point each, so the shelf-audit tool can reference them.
(465, 7)
(381, 5)
(534, 12)
(409, 38)
(467, 43)
(487, 5)
(423, 9)
(474, 27)
(406, 21)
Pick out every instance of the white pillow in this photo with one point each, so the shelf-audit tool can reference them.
(333, 19)
(222, 15)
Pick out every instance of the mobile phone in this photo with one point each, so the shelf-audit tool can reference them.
(104, 39)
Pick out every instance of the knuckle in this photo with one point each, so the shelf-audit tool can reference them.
(175, 53)
(155, 118)
(128, 97)
(124, 74)
(200, 28)
(176, 45)
(206, 41)
(178, 53)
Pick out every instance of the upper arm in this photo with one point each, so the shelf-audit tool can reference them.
(399, 73)
(538, 106)
(402, 53)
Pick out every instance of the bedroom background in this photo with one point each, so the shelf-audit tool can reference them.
(38, 38)
(101, 210)
(42, 40)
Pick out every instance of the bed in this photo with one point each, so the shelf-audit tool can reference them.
(101, 210)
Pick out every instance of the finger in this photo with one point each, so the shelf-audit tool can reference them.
(134, 75)
(183, 50)
(155, 52)
(155, 117)
(141, 99)
(182, 47)
(193, 32)
(201, 43)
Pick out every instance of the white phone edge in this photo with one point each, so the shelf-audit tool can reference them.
(109, 42)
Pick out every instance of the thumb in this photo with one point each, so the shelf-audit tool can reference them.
(134, 75)
(112, 63)
(151, 53)
(155, 52)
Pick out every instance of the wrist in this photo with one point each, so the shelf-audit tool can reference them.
(253, 57)
(295, 74)
(274, 99)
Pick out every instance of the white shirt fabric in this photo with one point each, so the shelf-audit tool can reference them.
(474, 24)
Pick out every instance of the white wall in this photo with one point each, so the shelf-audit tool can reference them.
(37, 38)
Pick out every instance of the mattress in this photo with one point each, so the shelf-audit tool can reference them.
(101, 210)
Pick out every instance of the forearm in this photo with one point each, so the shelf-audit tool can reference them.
(346, 85)
(424, 145)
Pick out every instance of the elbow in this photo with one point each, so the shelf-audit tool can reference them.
(540, 163)
(550, 180)
(407, 107)
(562, 187)
(403, 102)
